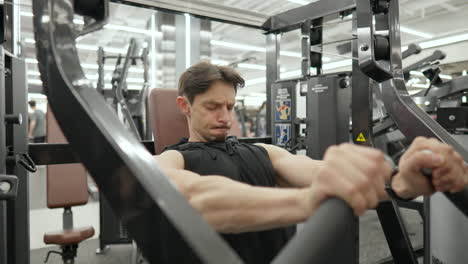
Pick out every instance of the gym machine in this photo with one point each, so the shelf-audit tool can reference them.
(117, 160)
(14, 160)
(386, 69)
(130, 104)
(373, 51)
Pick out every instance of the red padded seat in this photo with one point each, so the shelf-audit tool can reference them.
(69, 236)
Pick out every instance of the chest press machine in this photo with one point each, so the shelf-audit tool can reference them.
(136, 187)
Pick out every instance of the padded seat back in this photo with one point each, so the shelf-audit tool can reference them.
(67, 184)
(168, 122)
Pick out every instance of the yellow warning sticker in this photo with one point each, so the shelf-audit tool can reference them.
(361, 138)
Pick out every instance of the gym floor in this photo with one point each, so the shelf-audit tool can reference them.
(373, 246)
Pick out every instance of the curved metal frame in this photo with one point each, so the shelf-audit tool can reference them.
(126, 173)
(410, 118)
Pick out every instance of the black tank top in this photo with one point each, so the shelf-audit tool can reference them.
(240, 162)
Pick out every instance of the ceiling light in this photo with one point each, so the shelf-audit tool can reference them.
(88, 47)
(129, 87)
(29, 60)
(108, 26)
(302, 2)
(284, 75)
(252, 66)
(237, 45)
(94, 66)
(128, 29)
(444, 41)
(291, 54)
(415, 32)
(416, 73)
(256, 48)
(95, 48)
(220, 62)
(34, 81)
(420, 85)
(444, 76)
(78, 21)
(34, 73)
(337, 64)
(26, 14)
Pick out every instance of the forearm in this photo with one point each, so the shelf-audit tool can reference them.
(296, 170)
(32, 125)
(234, 207)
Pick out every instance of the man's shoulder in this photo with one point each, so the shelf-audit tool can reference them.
(39, 112)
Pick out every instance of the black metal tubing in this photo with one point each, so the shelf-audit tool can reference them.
(411, 119)
(121, 84)
(17, 139)
(362, 102)
(272, 75)
(367, 49)
(292, 19)
(57, 153)
(125, 172)
(101, 59)
(320, 238)
(395, 232)
(455, 86)
(412, 50)
(436, 55)
(192, 14)
(48, 154)
(3, 203)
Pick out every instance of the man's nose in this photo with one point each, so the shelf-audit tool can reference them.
(225, 115)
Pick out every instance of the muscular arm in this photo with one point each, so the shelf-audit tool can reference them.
(32, 125)
(292, 170)
(234, 207)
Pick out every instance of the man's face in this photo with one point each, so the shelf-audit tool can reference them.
(210, 114)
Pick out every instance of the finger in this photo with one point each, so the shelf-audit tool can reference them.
(420, 160)
(357, 183)
(418, 144)
(334, 184)
(365, 158)
(457, 188)
(428, 144)
(366, 175)
(443, 187)
(441, 172)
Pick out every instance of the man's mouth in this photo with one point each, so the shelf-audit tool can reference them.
(221, 128)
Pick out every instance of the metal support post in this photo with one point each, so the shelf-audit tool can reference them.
(17, 139)
(3, 204)
(305, 47)
(272, 75)
(316, 39)
(328, 111)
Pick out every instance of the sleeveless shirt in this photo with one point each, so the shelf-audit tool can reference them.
(241, 162)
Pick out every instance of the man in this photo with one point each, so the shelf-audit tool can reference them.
(37, 125)
(251, 193)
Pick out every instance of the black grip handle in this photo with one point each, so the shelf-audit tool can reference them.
(459, 199)
(322, 235)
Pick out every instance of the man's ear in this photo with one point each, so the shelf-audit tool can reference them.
(184, 105)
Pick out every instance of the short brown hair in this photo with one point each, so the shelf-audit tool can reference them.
(199, 77)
